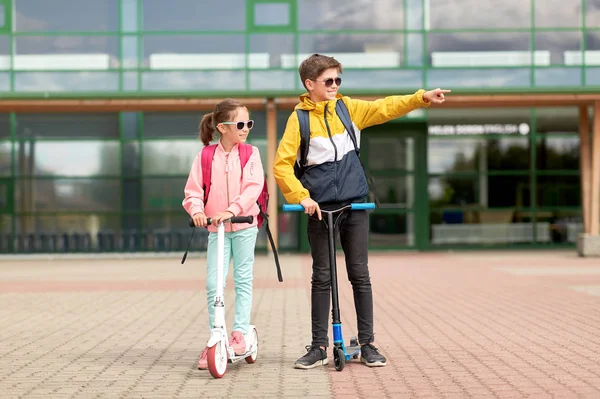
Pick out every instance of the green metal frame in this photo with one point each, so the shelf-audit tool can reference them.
(128, 88)
(420, 210)
(126, 73)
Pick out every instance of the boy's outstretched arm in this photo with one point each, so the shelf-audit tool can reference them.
(369, 113)
(285, 158)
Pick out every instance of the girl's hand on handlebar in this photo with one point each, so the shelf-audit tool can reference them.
(310, 207)
(219, 217)
(199, 219)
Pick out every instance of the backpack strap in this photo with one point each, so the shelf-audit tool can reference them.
(342, 111)
(344, 115)
(245, 151)
(206, 159)
(304, 121)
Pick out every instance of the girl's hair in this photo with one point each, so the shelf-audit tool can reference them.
(223, 111)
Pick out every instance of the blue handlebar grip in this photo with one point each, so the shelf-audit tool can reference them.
(362, 206)
(292, 207)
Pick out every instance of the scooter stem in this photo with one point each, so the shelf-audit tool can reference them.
(219, 320)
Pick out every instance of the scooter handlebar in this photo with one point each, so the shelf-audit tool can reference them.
(360, 206)
(235, 219)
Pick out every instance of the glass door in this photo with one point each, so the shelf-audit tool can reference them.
(395, 156)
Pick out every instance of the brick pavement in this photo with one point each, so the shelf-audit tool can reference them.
(453, 325)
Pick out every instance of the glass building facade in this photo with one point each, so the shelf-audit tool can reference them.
(113, 181)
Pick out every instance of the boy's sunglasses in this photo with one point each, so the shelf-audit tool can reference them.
(329, 82)
(240, 125)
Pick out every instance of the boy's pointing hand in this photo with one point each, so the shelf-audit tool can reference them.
(435, 96)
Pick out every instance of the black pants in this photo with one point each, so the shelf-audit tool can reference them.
(354, 237)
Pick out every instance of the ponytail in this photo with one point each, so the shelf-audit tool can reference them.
(207, 129)
(222, 113)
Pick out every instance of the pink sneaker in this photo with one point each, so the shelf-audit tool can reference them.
(237, 343)
(203, 361)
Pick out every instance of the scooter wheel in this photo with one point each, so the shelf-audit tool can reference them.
(217, 360)
(339, 359)
(252, 358)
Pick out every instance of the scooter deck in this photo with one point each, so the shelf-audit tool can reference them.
(352, 352)
(237, 358)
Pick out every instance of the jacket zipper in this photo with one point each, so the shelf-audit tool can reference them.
(227, 177)
(334, 151)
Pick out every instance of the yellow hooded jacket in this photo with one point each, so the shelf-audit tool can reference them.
(333, 173)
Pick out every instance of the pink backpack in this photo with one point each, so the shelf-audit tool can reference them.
(245, 150)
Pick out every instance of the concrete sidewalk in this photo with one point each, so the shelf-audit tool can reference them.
(452, 325)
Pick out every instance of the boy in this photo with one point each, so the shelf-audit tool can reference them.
(334, 177)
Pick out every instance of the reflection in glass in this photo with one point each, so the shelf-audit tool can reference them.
(271, 14)
(162, 194)
(5, 228)
(187, 15)
(47, 195)
(89, 223)
(273, 80)
(46, 125)
(391, 152)
(447, 156)
(470, 14)
(171, 124)
(555, 77)
(129, 15)
(484, 227)
(66, 15)
(385, 79)
(176, 156)
(68, 158)
(592, 13)
(66, 81)
(191, 81)
(395, 191)
(480, 191)
(555, 153)
(559, 191)
(164, 52)
(66, 52)
(553, 14)
(131, 158)
(564, 47)
(5, 158)
(270, 49)
(391, 230)
(557, 120)
(130, 81)
(564, 226)
(352, 50)
(457, 191)
(481, 49)
(343, 14)
(472, 77)
(129, 51)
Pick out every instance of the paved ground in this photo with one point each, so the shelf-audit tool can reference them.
(453, 325)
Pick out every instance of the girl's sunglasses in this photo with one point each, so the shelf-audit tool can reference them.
(240, 125)
(329, 82)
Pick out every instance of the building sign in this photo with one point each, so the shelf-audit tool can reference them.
(469, 130)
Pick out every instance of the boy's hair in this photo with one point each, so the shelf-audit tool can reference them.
(223, 111)
(312, 67)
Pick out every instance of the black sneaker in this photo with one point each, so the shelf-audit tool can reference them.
(315, 357)
(370, 356)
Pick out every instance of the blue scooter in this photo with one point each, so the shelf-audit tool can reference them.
(341, 353)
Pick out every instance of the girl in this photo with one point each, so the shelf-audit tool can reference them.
(233, 192)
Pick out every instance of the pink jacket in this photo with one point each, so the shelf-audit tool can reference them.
(230, 190)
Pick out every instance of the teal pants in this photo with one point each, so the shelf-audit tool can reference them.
(239, 245)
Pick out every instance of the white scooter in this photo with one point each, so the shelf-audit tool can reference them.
(219, 351)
